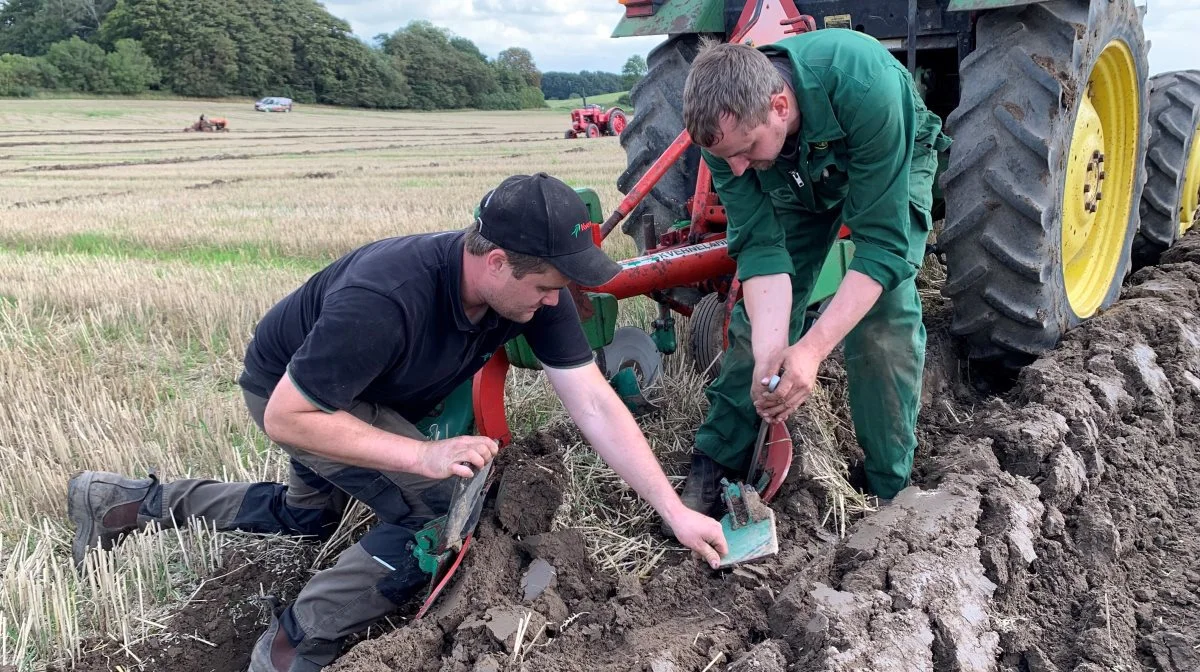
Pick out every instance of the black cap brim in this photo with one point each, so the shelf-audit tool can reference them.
(587, 268)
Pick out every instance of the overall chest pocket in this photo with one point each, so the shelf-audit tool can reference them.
(829, 168)
(781, 189)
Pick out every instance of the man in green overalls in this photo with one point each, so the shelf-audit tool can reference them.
(802, 136)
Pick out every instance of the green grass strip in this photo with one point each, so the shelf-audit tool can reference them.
(103, 245)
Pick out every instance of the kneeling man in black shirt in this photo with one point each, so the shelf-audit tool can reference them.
(339, 371)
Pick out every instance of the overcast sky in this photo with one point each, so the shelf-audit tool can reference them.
(573, 35)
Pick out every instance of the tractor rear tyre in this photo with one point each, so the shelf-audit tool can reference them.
(1045, 174)
(658, 99)
(593, 131)
(616, 121)
(706, 335)
(1171, 201)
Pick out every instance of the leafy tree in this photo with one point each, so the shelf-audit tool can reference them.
(467, 47)
(23, 75)
(441, 75)
(29, 27)
(252, 47)
(130, 69)
(634, 70)
(521, 61)
(81, 66)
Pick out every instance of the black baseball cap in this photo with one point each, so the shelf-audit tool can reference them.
(542, 217)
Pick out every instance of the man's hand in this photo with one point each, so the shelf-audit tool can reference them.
(459, 456)
(799, 377)
(764, 368)
(701, 534)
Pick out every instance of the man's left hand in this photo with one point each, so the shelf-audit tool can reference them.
(796, 383)
(701, 534)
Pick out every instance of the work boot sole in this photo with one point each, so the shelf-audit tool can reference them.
(79, 513)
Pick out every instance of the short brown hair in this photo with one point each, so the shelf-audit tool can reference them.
(521, 264)
(728, 79)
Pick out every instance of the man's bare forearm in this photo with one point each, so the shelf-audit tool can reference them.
(769, 307)
(292, 420)
(614, 434)
(854, 298)
(344, 438)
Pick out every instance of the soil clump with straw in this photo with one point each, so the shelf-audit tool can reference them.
(217, 627)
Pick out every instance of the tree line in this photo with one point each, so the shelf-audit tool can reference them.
(216, 48)
(293, 48)
(563, 85)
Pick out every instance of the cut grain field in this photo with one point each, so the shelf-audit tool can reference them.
(1050, 526)
(135, 260)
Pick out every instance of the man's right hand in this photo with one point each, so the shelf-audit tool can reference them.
(764, 368)
(459, 456)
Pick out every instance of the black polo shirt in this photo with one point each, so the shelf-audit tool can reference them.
(386, 324)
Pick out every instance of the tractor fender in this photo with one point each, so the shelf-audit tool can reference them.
(676, 16)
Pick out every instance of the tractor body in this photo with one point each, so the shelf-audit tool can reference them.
(593, 121)
(1041, 193)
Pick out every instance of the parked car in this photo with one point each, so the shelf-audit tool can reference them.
(273, 105)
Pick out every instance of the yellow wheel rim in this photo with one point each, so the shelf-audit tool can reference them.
(1098, 193)
(1189, 207)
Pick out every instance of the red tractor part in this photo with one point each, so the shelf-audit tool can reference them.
(683, 265)
(647, 182)
(594, 121)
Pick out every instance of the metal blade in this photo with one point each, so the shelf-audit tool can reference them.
(632, 347)
(756, 460)
(465, 505)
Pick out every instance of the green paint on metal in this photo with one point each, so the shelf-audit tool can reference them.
(592, 202)
(969, 5)
(454, 416)
(837, 262)
(424, 543)
(677, 16)
(664, 336)
(626, 385)
(599, 329)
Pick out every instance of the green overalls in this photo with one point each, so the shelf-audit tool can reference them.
(867, 157)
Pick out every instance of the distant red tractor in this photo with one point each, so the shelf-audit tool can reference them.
(593, 121)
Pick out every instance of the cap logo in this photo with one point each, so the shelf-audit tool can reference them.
(576, 230)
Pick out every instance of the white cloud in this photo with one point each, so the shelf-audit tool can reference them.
(571, 35)
(1170, 28)
(561, 34)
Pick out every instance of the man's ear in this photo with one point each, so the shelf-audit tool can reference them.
(780, 104)
(495, 261)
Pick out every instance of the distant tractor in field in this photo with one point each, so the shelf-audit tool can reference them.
(593, 121)
(209, 124)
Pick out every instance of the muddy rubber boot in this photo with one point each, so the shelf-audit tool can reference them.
(103, 507)
(702, 489)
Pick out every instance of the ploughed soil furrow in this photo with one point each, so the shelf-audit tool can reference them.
(1050, 528)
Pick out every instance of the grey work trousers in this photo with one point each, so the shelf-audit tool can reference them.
(372, 577)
